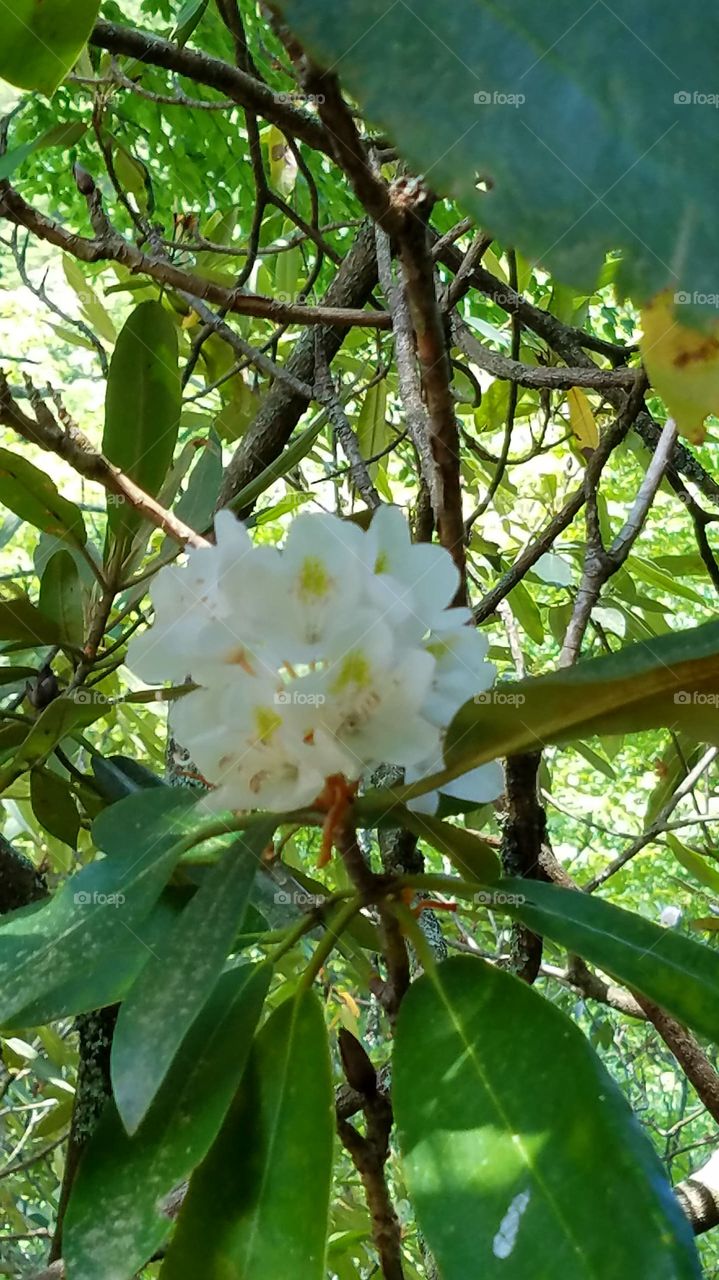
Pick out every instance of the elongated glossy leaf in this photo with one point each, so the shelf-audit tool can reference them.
(471, 855)
(42, 949)
(155, 816)
(119, 776)
(42, 39)
(123, 1181)
(257, 1207)
(680, 975)
(199, 499)
(142, 407)
(701, 868)
(672, 681)
(31, 494)
(173, 987)
(53, 724)
(53, 805)
(189, 16)
(16, 675)
(20, 619)
(61, 135)
(476, 92)
(61, 597)
(93, 311)
(112, 972)
(58, 719)
(483, 1068)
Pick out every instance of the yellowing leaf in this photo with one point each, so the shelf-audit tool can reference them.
(682, 364)
(582, 418)
(349, 1001)
(283, 166)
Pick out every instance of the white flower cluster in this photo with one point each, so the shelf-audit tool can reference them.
(331, 656)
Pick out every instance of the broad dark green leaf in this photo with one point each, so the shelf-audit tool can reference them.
(469, 853)
(671, 681)
(123, 1181)
(258, 1205)
(16, 675)
(54, 806)
(173, 987)
(119, 776)
(142, 406)
(611, 149)
(58, 719)
(680, 975)
(61, 597)
(42, 39)
(20, 619)
(112, 972)
(31, 494)
(43, 948)
(483, 1067)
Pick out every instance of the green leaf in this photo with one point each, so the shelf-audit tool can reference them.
(265, 1213)
(20, 619)
(669, 583)
(54, 806)
(671, 681)
(95, 314)
(132, 175)
(119, 776)
(31, 494)
(43, 948)
(199, 499)
(42, 39)
(61, 135)
(287, 461)
(373, 434)
(13, 159)
(680, 975)
(142, 406)
(520, 89)
(471, 855)
(188, 18)
(112, 973)
(526, 612)
(54, 723)
(483, 1067)
(123, 1181)
(173, 987)
(693, 862)
(61, 597)
(14, 675)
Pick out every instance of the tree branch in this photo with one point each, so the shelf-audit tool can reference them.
(242, 88)
(70, 444)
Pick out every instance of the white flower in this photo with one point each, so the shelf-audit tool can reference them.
(461, 671)
(328, 657)
(247, 743)
(670, 917)
(209, 613)
(321, 585)
(478, 786)
(371, 706)
(412, 583)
